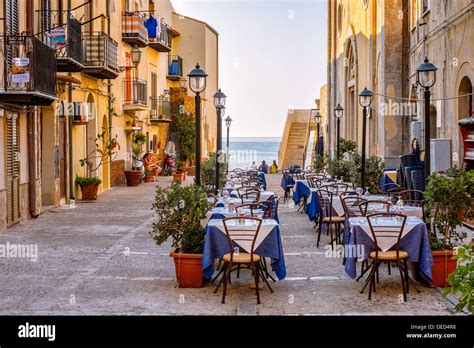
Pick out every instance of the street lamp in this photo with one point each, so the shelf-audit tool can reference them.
(219, 103)
(228, 122)
(136, 55)
(338, 112)
(365, 99)
(426, 78)
(317, 119)
(197, 83)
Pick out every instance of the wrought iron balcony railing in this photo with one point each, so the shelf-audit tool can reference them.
(62, 32)
(134, 31)
(28, 71)
(135, 94)
(175, 67)
(162, 43)
(160, 110)
(101, 56)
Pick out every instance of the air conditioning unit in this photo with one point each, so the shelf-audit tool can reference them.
(440, 155)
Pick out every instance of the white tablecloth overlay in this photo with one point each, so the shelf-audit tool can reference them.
(387, 242)
(267, 226)
(264, 195)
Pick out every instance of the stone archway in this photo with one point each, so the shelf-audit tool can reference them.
(465, 106)
(91, 131)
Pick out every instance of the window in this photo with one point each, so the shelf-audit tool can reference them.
(339, 18)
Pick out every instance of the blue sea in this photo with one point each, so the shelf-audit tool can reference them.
(243, 151)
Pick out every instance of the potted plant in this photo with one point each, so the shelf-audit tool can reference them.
(180, 210)
(134, 176)
(180, 173)
(448, 199)
(208, 173)
(105, 151)
(148, 176)
(461, 281)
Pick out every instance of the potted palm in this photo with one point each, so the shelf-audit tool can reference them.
(180, 173)
(448, 200)
(180, 210)
(105, 151)
(134, 176)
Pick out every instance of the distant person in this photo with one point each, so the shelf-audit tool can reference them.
(263, 167)
(254, 165)
(274, 167)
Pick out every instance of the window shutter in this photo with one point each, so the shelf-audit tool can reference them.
(46, 11)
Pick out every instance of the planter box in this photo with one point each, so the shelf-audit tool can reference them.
(188, 269)
(148, 179)
(443, 265)
(89, 192)
(133, 177)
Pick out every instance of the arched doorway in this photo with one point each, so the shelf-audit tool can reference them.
(106, 163)
(351, 119)
(465, 106)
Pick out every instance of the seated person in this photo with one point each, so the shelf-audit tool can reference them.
(274, 167)
(263, 167)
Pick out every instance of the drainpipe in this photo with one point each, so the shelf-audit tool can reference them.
(72, 188)
(109, 99)
(31, 119)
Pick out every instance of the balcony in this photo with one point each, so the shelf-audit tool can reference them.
(160, 110)
(163, 42)
(134, 94)
(65, 38)
(134, 31)
(175, 68)
(28, 71)
(100, 60)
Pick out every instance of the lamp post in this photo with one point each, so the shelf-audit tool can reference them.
(338, 112)
(365, 99)
(426, 78)
(219, 103)
(135, 57)
(197, 83)
(317, 119)
(228, 122)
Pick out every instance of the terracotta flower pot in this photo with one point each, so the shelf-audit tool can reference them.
(133, 177)
(443, 265)
(178, 177)
(188, 269)
(89, 192)
(148, 179)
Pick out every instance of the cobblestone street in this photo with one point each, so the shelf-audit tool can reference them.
(100, 259)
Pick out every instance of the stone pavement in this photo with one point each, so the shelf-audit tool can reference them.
(99, 259)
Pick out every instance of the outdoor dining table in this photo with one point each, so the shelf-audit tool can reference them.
(268, 244)
(261, 177)
(301, 190)
(414, 241)
(286, 180)
(219, 212)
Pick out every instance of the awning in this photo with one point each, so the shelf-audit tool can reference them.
(68, 79)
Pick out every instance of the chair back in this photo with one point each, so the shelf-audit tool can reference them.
(382, 228)
(253, 194)
(269, 204)
(255, 209)
(212, 199)
(351, 205)
(367, 207)
(325, 198)
(313, 181)
(415, 198)
(237, 232)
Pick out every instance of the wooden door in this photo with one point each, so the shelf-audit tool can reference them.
(12, 168)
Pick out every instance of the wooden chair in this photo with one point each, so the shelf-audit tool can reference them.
(395, 255)
(252, 194)
(351, 205)
(237, 233)
(365, 206)
(288, 188)
(414, 198)
(325, 199)
(212, 199)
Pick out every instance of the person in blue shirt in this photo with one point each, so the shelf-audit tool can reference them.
(263, 167)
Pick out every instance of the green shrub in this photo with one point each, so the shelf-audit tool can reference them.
(373, 171)
(208, 172)
(462, 279)
(180, 210)
(339, 168)
(84, 181)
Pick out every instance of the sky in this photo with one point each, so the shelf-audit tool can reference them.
(272, 57)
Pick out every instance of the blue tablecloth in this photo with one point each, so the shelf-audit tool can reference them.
(312, 208)
(286, 181)
(261, 176)
(301, 190)
(416, 243)
(216, 246)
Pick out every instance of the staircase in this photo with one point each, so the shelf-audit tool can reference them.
(293, 146)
